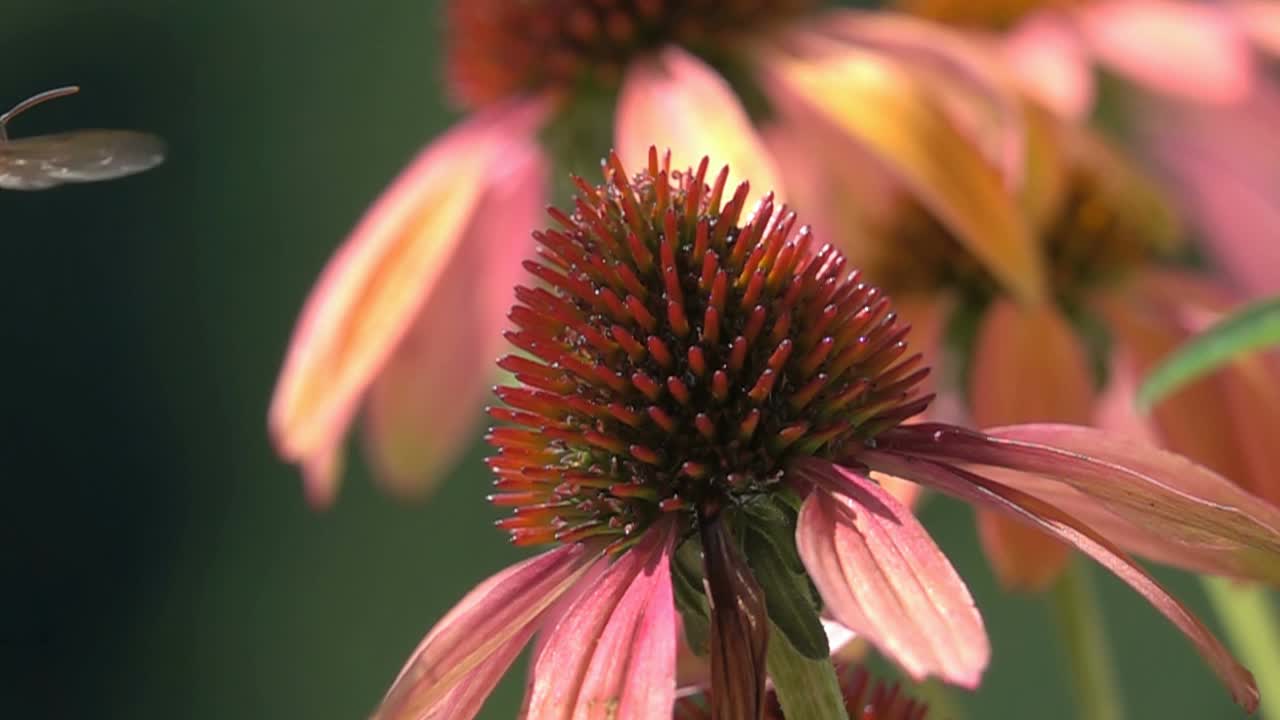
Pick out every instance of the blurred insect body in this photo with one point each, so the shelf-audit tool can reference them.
(45, 161)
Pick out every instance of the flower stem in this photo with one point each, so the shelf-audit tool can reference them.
(1248, 615)
(807, 689)
(1080, 626)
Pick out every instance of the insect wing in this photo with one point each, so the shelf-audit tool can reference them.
(45, 161)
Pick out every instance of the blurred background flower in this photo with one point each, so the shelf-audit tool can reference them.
(161, 559)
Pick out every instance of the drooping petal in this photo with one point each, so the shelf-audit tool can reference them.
(1028, 346)
(914, 139)
(972, 84)
(1045, 51)
(1021, 347)
(373, 287)
(1187, 507)
(676, 101)
(498, 614)
(612, 653)
(739, 627)
(883, 577)
(427, 396)
(1188, 49)
(978, 490)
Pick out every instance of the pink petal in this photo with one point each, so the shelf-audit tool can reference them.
(1260, 19)
(498, 614)
(1186, 49)
(677, 102)
(1044, 51)
(983, 492)
(1224, 164)
(1189, 508)
(373, 287)
(883, 577)
(426, 399)
(613, 652)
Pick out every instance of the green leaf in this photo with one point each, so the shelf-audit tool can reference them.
(769, 550)
(1252, 328)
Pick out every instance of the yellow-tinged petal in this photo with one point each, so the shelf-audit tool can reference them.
(426, 399)
(879, 104)
(676, 101)
(373, 287)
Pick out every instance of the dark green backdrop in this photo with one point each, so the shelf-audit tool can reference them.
(158, 561)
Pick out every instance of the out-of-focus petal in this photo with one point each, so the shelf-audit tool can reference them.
(1260, 20)
(1191, 508)
(612, 654)
(1224, 165)
(979, 490)
(1227, 420)
(1045, 51)
(1019, 347)
(1188, 49)
(883, 577)
(501, 611)
(373, 287)
(676, 101)
(427, 397)
(912, 136)
(968, 79)
(1023, 558)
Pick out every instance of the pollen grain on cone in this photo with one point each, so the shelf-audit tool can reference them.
(679, 352)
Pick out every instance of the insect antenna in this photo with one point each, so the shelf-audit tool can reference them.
(32, 102)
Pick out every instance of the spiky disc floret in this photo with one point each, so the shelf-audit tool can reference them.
(677, 359)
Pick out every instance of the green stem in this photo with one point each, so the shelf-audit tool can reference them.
(1247, 614)
(807, 689)
(1081, 630)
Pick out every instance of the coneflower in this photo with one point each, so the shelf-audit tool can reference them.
(864, 697)
(704, 399)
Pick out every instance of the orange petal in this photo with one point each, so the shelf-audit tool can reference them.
(882, 576)
(1024, 558)
(911, 134)
(1187, 49)
(427, 397)
(678, 102)
(373, 287)
(1028, 366)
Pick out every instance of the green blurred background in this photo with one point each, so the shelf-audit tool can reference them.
(158, 560)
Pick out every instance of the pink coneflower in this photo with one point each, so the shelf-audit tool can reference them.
(550, 85)
(705, 399)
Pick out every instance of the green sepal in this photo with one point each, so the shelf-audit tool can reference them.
(690, 599)
(771, 551)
